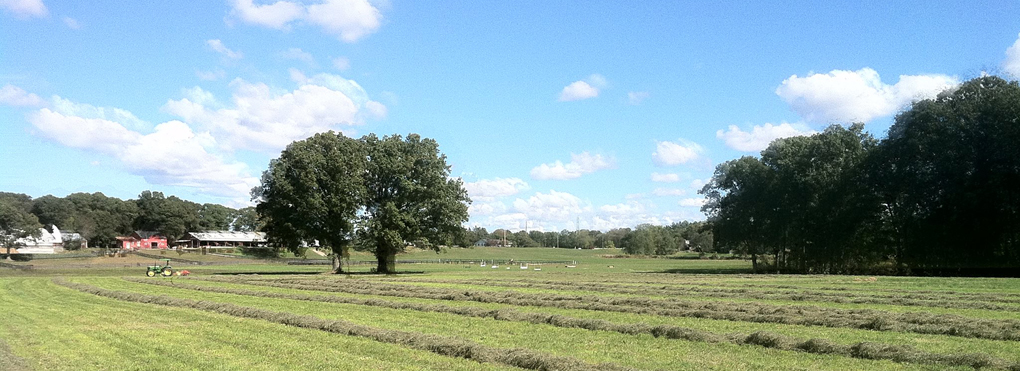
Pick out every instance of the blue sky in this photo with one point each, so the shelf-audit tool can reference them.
(606, 114)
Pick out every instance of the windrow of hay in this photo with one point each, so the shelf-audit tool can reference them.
(442, 345)
(803, 295)
(857, 290)
(869, 319)
(761, 338)
(9, 361)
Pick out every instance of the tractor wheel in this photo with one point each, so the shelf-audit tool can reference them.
(150, 274)
(167, 272)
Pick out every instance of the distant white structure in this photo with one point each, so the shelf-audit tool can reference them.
(46, 243)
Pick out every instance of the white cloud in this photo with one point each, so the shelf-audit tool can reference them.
(487, 189)
(300, 55)
(692, 202)
(88, 111)
(665, 178)
(14, 96)
(218, 47)
(551, 207)
(671, 154)
(348, 20)
(266, 120)
(276, 15)
(668, 192)
(697, 184)
(1012, 62)
(486, 208)
(583, 163)
(342, 63)
(584, 89)
(636, 97)
(72, 23)
(171, 155)
(760, 135)
(25, 8)
(629, 208)
(843, 96)
(578, 90)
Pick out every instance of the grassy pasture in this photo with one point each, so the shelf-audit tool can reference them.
(606, 313)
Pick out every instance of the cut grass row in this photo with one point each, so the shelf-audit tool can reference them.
(638, 351)
(865, 350)
(923, 323)
(447, 346)
(937, 301)
(55, 328)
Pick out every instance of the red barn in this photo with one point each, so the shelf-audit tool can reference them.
(143, 240)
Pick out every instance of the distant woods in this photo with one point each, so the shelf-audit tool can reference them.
(100, 219)
(940, 195)
(644, 239)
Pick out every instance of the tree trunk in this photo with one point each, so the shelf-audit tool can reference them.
(337, 264)
(9, 253)
(387, 258)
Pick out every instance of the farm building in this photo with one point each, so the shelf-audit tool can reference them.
(225, 239)
(143, 240)
(46, 243)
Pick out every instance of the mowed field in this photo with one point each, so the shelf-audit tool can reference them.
(604, 313)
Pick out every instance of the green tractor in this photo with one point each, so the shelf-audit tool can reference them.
(165, 270)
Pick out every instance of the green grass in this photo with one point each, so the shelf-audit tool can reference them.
(50, 327)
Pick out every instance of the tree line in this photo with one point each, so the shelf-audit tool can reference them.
(99, 219)
(939, 195)
(644, 239)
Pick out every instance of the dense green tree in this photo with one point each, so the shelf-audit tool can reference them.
(171, 216)
(952, 178)
(410, 197)
(100, 219)
(215, 217)
(53, 210)
(16, 220)
(246, 220)
(313, 193)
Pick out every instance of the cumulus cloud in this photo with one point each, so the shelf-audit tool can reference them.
(760, 135)
(636, 97)
(668, 192)
(171, 155)
(580, 164)
(692, 202)
(88, 111)
(665, 178)
(671, 154)
(14, 96)
(629, 208)
(486, 208)
(1012, 63)
(488, 189)
(348, 20)
(551, 207)
(844, 96)
(25, 8)
(276, 15)
(263, 119)
(583, 89)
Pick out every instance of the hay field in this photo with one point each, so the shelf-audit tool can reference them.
(601, 314)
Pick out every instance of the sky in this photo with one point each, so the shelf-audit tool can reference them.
(556, 114)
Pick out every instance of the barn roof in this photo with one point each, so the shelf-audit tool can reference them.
(228, 236)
